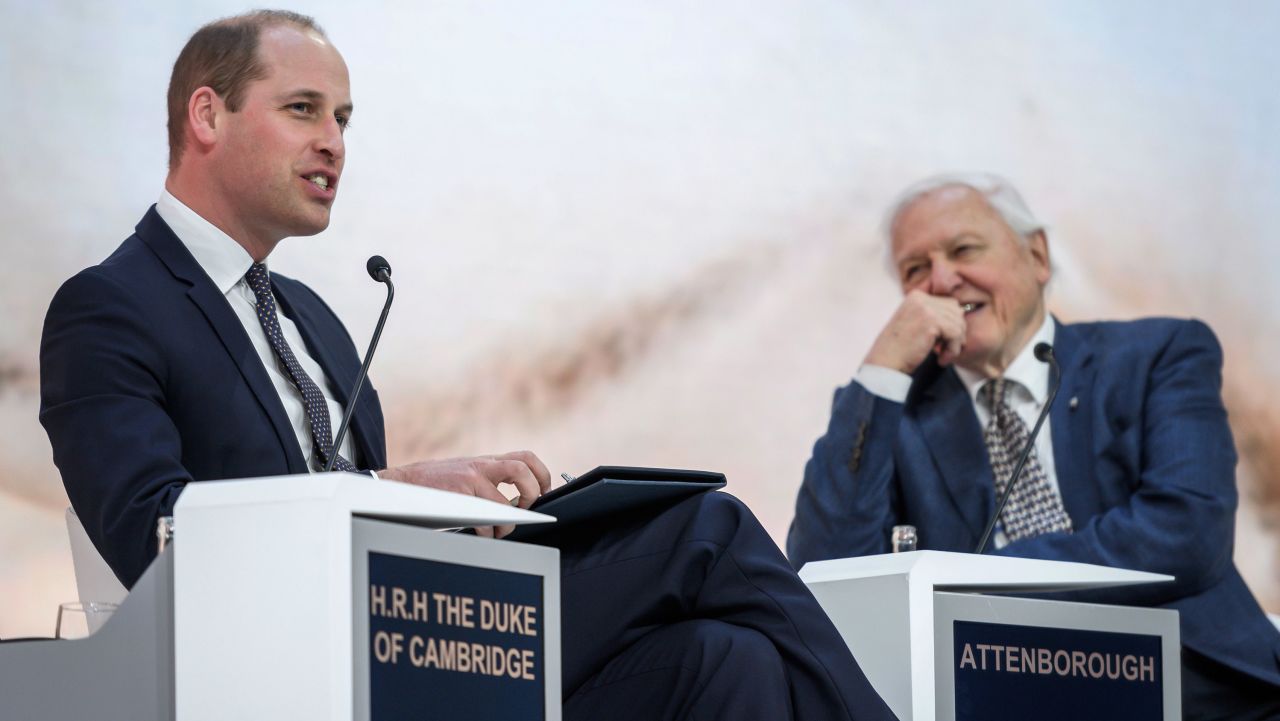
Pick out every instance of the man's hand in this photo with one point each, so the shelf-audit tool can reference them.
(922, 323)
(480, 476)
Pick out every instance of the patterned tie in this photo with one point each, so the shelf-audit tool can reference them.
(312, 399)
(1034, 507)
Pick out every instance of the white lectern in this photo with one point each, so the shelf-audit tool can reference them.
(936, 643)
(318, 597)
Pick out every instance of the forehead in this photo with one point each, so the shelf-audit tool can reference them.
(941, 216)
(305, 59)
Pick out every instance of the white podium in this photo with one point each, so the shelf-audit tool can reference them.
(938, 644)
(318, 597)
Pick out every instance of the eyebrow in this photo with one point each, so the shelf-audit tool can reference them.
(316, 96)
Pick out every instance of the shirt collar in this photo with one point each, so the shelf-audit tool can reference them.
(1025, 369)
(222, 259)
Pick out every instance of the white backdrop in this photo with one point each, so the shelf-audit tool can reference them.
(644, 232)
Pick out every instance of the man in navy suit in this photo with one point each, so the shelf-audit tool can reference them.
(181, 358)
(1135, 467)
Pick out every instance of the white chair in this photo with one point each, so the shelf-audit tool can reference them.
(95, 580)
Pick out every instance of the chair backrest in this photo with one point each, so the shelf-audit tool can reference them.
(95, 580)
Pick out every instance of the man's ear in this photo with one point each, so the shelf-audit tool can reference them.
(205, 112)
(1038, 245)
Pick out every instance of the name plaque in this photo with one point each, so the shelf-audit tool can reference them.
(448, 640)
(1005, 671)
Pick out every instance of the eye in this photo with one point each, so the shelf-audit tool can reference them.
(344, 121)
(966, 249)
(300, 107)
(911, 272)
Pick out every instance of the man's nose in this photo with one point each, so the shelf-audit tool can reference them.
(943, 279)
(330, 142)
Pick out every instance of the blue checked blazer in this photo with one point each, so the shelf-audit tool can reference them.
(1144, 460)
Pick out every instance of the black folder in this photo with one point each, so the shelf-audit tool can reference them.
(608, 490)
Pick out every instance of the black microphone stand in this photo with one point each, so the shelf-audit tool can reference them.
(380, 271)
(1044, 353)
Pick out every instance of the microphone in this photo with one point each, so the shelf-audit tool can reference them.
(1044, 354)
(380, 270)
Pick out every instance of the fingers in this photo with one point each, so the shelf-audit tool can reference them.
(921, 324)
(481, 487)
(951, 332)
(480, 477)
(518, 474)
(948, 351)
(535, 464)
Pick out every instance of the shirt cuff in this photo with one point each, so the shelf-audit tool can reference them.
(373, 473)
(886, 383)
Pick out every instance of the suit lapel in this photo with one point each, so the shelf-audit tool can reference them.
(950, 428)
(1070, 423)
(342, 377)
(160, 238)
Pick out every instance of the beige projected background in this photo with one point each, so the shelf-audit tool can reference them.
(642, 232)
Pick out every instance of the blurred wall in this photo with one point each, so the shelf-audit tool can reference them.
(644, 232)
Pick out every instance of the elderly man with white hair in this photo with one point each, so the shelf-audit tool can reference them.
(1134, 468)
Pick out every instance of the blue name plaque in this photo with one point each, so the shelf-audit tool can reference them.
(451, 641)
(1005, 671)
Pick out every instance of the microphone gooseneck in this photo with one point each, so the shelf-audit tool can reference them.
(380, 270)
(1044, 354)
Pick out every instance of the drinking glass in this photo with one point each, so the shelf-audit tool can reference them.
(903, 539)
(82, 619)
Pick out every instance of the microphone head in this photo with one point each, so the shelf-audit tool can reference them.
(1044, 352)
(376, 266)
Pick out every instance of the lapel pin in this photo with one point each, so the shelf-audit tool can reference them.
(1073, 403)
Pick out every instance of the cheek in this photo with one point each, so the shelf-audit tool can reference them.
(988, 326)
(982, 327)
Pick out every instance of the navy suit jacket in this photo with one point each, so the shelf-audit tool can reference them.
(1144, 460)
(148, 381)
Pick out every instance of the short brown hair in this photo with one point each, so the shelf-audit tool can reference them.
(224, 56)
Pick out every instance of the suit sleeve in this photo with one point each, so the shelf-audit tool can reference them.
(1179, 517)
(102, 377)
(847, 502)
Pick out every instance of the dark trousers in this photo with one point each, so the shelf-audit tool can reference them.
(692, 612)
(1213, 692)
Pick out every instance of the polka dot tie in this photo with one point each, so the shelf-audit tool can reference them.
(313, 401)
(1034, 507)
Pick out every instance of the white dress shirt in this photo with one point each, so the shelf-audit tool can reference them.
(1026, 398)
(225, 262)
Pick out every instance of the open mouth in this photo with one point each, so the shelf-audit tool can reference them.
(322, 181)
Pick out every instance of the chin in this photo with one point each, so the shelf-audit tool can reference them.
(975, 359)
(309, 226)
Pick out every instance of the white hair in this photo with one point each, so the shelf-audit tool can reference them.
(998, 191)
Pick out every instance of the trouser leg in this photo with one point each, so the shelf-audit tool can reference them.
(704, 558)
(692, 671)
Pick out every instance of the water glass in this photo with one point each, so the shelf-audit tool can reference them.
(903, 539)
(82, 619)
